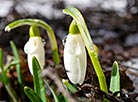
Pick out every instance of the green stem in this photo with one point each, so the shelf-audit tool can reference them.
(98, 69)
(92, 50)
(1, 59)
(42, 24)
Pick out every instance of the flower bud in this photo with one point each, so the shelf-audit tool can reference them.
(34, 47)
(75, 58)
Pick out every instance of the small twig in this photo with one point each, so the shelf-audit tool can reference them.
(51, 73)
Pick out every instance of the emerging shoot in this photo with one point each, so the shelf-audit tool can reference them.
(115, 78)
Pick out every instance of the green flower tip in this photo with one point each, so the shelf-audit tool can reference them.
(73, 29)
(34, 31)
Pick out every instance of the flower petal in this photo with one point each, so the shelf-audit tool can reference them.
(75, 58)
(34, 47)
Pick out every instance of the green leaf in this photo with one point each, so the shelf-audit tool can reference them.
(115, 78)
(61, 98)
(53, 93)
(32, 95)
(18, 67)
(1, 59)
(1, 78)
(70, 87)
(5, 77)
(38, 80)
(16, 57)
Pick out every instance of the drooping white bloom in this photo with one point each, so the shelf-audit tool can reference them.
(75, 60)
(35, 47)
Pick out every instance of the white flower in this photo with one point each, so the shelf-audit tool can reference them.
(35, 47)
(75, 60)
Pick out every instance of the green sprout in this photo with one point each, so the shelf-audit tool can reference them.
(69, 86)
(115, 79)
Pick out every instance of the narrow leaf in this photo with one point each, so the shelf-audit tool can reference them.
(1, 59)
(38, 81)
(62, 98)
(32, 95)
(4, 78)
(70, 87)
(18, 67)
(16, 56)
(53, 93)
(1, 77)
(115, 78)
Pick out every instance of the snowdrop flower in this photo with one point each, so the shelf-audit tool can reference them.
(35, 47)
(75, 56)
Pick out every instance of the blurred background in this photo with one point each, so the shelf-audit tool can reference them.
(110, 18)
